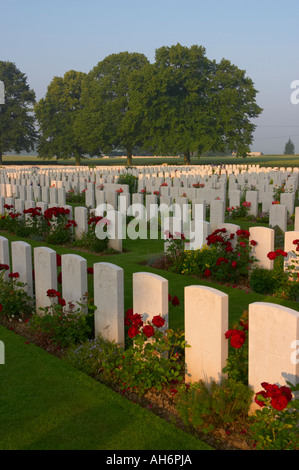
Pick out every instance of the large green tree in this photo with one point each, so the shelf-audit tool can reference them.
(171, 97)
(188, 103)
(106, 121)
(17, 122)
(56, 114)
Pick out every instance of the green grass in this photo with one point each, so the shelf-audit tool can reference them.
(47, 405)
(264, 160)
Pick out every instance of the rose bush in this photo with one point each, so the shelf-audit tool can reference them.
(275, 425)
(14, 301)
(226, 257)
(237, 361)
(52, 226)
(155, 358)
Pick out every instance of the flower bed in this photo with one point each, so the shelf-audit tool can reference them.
(53, 226)
(225, 257)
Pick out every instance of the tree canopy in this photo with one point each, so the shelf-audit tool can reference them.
(183, 103)
(105, 124)
(17, 121)
(189, 103)
(56, 114)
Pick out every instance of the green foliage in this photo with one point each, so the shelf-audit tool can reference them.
(90, 240)
(263, 281)
(56, 114)
(131, 181)
(278, 281)
(175, 251)
(95, 357)
(17, 126)
(107, 121)
(73, 197)
(14, 301)
(189, 103)
(63, 324)
(199, 262)
(207, 406)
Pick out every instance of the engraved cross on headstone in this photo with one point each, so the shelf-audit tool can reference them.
(2, 98)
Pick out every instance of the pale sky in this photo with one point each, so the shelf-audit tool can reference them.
(46, 38)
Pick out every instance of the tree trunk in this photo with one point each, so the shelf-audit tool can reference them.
(187, 159)
(78, 159)
(129, 157)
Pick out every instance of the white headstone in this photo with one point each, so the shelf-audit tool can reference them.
(45, 275)
(150, 295)
(22, 263)
(109, 300)
(206, 321)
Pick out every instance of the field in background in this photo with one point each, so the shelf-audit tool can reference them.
(264, 160)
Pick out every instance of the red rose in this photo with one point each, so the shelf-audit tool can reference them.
(59, 278)
(58, 259)
(128, 316)
(62, 302)
(133, 331)
(52, 293)
(286, 392)
(14, 275)
(272, 389)
(148, 330)
(90, 270)
(228, 249)
(158, 321)
(207, 272)
(253, 243)
(4, 266)
(175, 301)
(237, 338)
(281, 252)
(279, 403)
(1, 307)
(234, 264)
(136, 319)
(272, 255)
(263, 394)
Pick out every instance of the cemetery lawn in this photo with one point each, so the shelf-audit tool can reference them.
(47, 405)
(263, 160)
